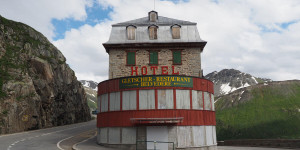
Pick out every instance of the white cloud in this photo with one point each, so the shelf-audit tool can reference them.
(39, 13)
(84, 51)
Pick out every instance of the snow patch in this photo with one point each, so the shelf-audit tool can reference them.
(246, 85)
(91, 94)
(265, 83)
(86, 84)
(225, 88)
(254, 80)
(92, 101)
(217, 100)
(241, 95)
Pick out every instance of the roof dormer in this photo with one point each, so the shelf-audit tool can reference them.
(153, 16)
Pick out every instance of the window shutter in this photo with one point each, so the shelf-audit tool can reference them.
(155, 33)
(130, 58)
(153, 57)
(177, 57)
(152, 33)
(153, 17)
(176, 32)
(131, 33)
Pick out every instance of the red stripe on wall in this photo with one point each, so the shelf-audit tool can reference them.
(122, 118)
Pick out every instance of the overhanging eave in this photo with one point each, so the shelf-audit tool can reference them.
(177, 45)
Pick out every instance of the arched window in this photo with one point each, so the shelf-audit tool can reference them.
(153, 17)
(175, 29)
(131, 32)
(153, 32)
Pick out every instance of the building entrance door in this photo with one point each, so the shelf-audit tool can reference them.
(157, 133)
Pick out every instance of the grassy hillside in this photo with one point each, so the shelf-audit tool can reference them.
(91, 103)
(270, 112)
(91, 98)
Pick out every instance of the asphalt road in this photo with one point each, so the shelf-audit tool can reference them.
(44, 139)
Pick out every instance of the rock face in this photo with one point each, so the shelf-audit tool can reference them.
(38, 88)
(229, 80)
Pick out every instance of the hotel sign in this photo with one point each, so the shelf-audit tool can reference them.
(156, 81)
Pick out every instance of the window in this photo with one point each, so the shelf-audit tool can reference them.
(175, 31)
(130, 59)
(131, 32)
(177, 57)
(153, 32)
(153, 16)
(153, 58)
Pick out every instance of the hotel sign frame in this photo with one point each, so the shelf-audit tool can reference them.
(155, 81)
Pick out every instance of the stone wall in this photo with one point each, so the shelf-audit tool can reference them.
(191, 63)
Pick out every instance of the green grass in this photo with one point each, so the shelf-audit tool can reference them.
(272, 113)
(92, 105)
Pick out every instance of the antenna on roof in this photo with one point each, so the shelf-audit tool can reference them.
(154, 4)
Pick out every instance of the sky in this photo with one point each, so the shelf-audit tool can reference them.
(260, 37)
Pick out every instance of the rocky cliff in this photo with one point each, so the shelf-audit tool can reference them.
(38, 88)
(229, 80)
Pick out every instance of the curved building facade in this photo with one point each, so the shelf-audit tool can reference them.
(155, 96)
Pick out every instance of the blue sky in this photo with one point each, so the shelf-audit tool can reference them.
(260, 37)
(95, 15)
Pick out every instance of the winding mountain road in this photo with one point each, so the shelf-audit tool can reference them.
(45, 139)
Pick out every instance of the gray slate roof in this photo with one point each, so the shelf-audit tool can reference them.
(161, 21)
(189, 35)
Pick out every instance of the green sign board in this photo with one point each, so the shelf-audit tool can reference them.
(156, 81)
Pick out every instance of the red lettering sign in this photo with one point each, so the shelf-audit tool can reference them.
(173, 71)
(144, 72)
(164, 70)
(153, 68)
(136, 71)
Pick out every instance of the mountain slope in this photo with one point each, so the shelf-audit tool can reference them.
(90, 88)
(37, 88)
(90, 84)
(264, 111)
(229, 80)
